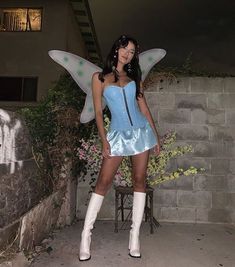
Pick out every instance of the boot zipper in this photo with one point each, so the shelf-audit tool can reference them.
(127, 109)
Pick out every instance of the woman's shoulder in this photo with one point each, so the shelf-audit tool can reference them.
(109, 77)
(96, 75)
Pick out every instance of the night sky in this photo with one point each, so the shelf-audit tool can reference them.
(204, 28)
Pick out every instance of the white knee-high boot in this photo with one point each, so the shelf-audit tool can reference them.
(91, 214)
(137, 217)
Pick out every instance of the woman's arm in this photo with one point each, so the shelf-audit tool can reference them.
(97, 100)
(145, 110)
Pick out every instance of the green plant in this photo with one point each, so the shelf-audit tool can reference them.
(89, 152)
(55, 130)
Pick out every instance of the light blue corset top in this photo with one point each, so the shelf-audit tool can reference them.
(123, 106)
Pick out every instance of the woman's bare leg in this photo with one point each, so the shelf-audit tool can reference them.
(139, 170)
(108, 170)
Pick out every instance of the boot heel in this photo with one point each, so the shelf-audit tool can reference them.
(84, 254)
(135, 246)
(130, 240)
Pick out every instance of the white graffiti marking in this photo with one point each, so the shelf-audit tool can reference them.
(7, 141)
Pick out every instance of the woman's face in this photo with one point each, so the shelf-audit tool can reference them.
(125, 54)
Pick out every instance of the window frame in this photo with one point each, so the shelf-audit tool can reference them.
(22, 90)
(25, 7)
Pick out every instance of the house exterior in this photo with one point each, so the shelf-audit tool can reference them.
(28, 30)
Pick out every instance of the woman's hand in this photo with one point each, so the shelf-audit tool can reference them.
(156, 149)
(106, 149)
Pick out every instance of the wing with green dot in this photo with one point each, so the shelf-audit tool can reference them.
(81, 70)
(148, 59)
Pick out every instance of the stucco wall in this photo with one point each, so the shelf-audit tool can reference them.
(25, 53)
(20, 185)
(202, 112)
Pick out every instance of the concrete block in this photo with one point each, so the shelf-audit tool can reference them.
(186, 162)
(155, 113)
(184, 183)
(151, 99)
(222, 133)
(187, 215)
(177, 214)
(172, 165)
(232, 166)
(208, 149)
(219, 216)
(179, 85)
(220, 200)
(199, 116)
(192, 132)
(202, 149)
(169, 214)
(205, 84)
(161, 99)
(232, 201)
(215, 101)
(231, 183)
(194, 199)
(229, 85)
(210, 183)
(215, 116)
(191, 101)
(228, 150)
(179, 116)
(219, 166)
(165, 127)
(230, 117)
(224, 199)
(166, 100)
(167, 185)
(165, 197)
(220, 101)
(202, 214)
(157, 86)
(232, 215)
(156, 212)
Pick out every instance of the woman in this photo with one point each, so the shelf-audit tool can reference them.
(132, 133)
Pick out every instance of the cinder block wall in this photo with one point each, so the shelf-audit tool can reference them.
(202, 112)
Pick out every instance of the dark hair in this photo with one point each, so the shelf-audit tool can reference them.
(133, 70)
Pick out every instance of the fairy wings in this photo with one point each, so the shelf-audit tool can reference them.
(82, 70)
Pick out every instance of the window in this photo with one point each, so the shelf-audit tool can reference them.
(18, 88)
(20, 19)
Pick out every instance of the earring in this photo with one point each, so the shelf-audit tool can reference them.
(115, 55)
(129, 67)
